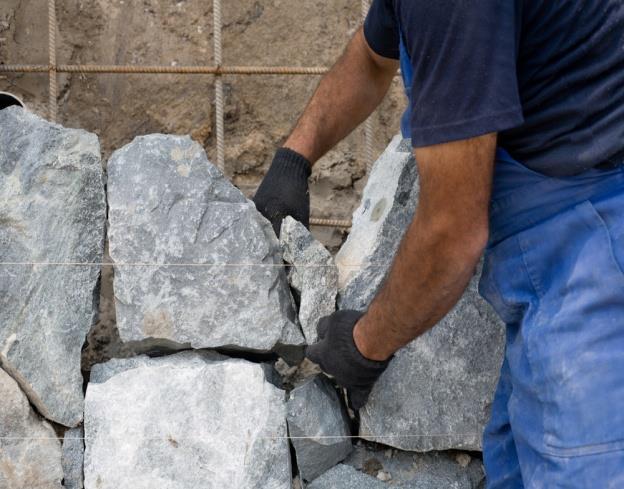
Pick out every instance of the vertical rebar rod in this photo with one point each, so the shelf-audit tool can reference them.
(219, 102)
(369, 123)
(52, 88)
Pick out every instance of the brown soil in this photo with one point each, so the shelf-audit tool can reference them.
(260, 110)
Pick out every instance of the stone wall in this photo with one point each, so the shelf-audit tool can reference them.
(214, 313)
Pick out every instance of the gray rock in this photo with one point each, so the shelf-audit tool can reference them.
(30, 453)
(102, 372)
(437, 391)
(215, 276)
(433, 470)
(313, 275)
(387, 208)
(345, 477)
(52, 210)
(73, 458)
(185, 421)
(319, 426)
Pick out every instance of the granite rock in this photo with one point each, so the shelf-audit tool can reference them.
(52, 211)
(316, 413)
(213, 274)
(379, 223)
(30, 453)
(313, 275)
(436, 393)
(432, 470)
(185, 421)
(73, 458)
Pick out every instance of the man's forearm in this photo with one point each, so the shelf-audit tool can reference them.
(428, 277)
(439, 252)
(345, 97)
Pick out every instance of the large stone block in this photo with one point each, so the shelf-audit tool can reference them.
(432, 470)
(195, 263)
(369, 468)
(52, 221)
(313, 275)
(319, 425)
(185, 421)
(387, 208)
(30, 453)
(437, 391)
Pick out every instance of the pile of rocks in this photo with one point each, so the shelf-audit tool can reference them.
(204, 299)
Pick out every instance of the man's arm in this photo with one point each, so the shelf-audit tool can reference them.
(345, 97)
(440, 250)
(434, 264)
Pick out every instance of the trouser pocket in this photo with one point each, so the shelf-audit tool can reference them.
(575, 337)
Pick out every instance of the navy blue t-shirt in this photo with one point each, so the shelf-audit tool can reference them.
(548, 75)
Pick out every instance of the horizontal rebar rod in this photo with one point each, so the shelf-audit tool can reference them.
(146, 70)
(334, 223)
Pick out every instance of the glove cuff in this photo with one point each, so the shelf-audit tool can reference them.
(354, 353)
(373, 365)
(291, 164)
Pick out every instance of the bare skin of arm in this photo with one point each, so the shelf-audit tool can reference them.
(440, 250)
(345, 97)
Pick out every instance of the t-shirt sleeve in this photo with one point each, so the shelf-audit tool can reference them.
(381, 29)
(463, 54)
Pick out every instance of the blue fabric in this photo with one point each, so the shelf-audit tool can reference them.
(548, 75)
(406, 75)
(553, 271)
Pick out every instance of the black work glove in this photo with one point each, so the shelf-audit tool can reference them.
(284, 190)
(339, 357)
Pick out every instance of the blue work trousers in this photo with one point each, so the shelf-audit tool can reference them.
(554, 273)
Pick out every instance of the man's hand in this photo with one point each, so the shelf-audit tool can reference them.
(284, 190)
(338, 356)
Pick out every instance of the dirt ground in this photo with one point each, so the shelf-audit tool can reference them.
(260, 110)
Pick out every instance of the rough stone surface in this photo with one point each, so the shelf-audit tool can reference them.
(170, 206)
(185, 421)
(387, 208)
(437, 391)
(313, 275)
(24, 462)
(314, 410)
(345, 477)
(52, 210)
(433, 470)
(73, 458)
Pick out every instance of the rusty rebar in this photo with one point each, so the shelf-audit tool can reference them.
(168, 70)
(219, 97)
(333, 223)
(52, 88)
(52, 69)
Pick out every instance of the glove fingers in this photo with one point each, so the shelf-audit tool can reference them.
(315, 354)
(358, 398)
(323, 326)
(276, 222)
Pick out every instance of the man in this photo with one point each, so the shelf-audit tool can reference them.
(517, 124)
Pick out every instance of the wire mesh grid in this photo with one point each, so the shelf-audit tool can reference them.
(218, 70)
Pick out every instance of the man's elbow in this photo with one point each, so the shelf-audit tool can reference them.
(476, 240)
(464, 242)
